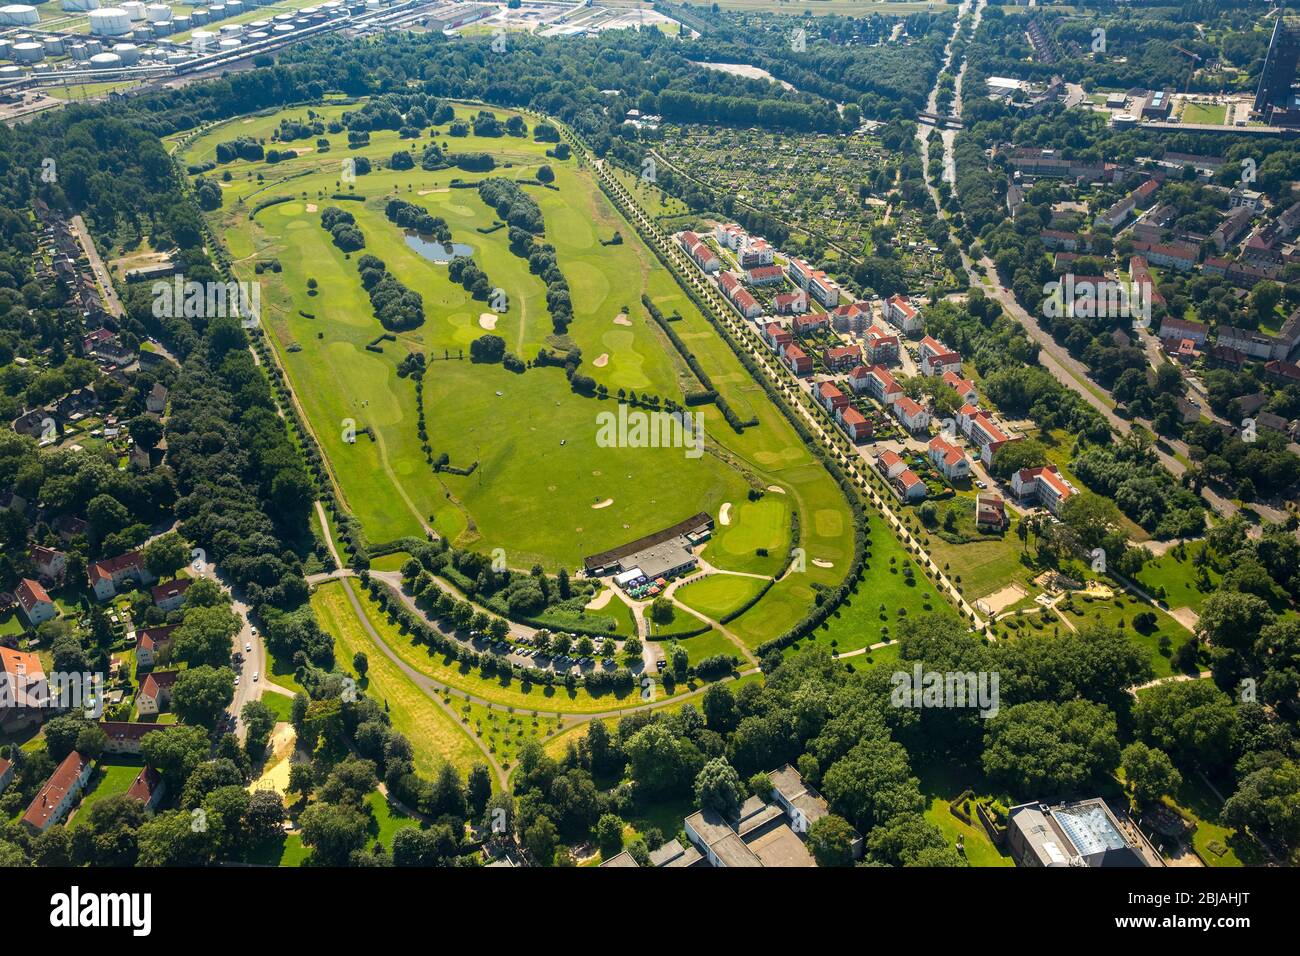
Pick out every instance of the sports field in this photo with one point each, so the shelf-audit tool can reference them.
(540, 474)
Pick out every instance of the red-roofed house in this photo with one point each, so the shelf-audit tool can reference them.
(152, 643)
(36, 604)
(50, 564)
(913, 417)
(756, 252)
(728, 283)
(909, 486)
(810, 323)
(24, 690)
(748, 306)
(852, 316)
(882, 346)
(882, 386)
(6, 774)
(842, 356)
(148, 788)
(59, 793)
(155, 692)
(900, 311)
(790, 303)
(890, 464)
(796, 360)
(831, 397)
(765, 275)
(854, 423)
(819, 285)
(936, 358)
(124, 736)
(990, 511)
(1283, 371)
(964, 388)
(110, 574)
(1043, 484)
(1179, 329)
(171, 594)
(776, 336)
(949, 459)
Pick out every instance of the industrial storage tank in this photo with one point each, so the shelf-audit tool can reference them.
(234, 8)
(93, 46)
(79, 6)
(258, 35)
(4, 49)
(53, 46)
(203, 40)
(79, 52)
(181, 23)
(128, 53)
(283, 17)
(135, 9)
(199, 16)
(282, 28)
(105, 61)
(217, 12)
(19, 14)
(8, 73)
(157, 13)
(232, 29)
(162, 28)
(228, 44)
(109, 22)
(27, 52)
(260, 25)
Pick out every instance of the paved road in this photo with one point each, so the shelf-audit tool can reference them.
(97, 268)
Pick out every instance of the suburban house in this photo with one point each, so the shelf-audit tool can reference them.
(855, 424)
(776, 336)
(1283, 371)
(890, 464)
(1178, 255)
(964, 388)
(913, 417)
(831, 397)
(59, 793)
(765, 275)
(909, 486)
(732, 236)
(124, 737)
(1043, 484)
(6, 774)
(157, 399)
(858, 379)
(842, 357)
(704, 257)
(882, 347)
(936, 358)
(990, 511)
(797, 360)
(1230, 229)
(1084, 833)
(1060, 239)
(152, 643)
(35, 602)
(110, 574)
(818, 284)
(729, 284)
(948, 458)
(790, 303)
(746, 304)
(23, 678)
(756, 252)
(810, 323)
(900, 311)
(50, 564)
(1256, 345)
(1139, 274)
(148, 788)
(171, 594)
(982, 431)
(155, 692)
(852, 316)
(68, 527)
(1243, 198)
(1179, 329)
(881, 385)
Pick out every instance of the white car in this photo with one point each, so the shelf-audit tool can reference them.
(236, 680)
(252, 630)
(256, 675)
(248, 648)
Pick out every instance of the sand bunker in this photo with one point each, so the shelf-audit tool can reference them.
(622, 319)
(425, 192)
(601, 360)
(823, 564)
(600, 600)
(724, 513)
(488, 320)
(311, 207)
(776, 489)
(603, 504)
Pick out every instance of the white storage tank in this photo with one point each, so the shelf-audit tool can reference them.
(53, 46)
(28, 52)
(93, 46)
(134, 9)
(109, 22)
(232, 30)
(79, 6)
(19, 14)
(234, 8)
(162, 28)
(8, 73)
(282, 28)
(157, 12)
(79, 52)
(217, 12)
(4, 48)
(199, 16)
(182, 23)
(260, 25)
(128, 53)
(203, 40)
(105, 61)
(283, 17)
(258, 35)
(228, 44)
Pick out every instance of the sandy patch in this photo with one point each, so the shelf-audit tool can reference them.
(600, 600)
(724, 513)
(488, 320)
(603, 504)
(999, 601)
(823, 563)
(311, 207)
(1185, 616)
(425, 192)
(622, 319)
(303, 150)
(776, 489)
(275, 773)
(601, 360)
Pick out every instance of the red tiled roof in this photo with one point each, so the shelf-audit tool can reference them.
(152, 637)
(128, 730)
(148, 781)
(30, 593)
(60, 782)
(158, 681)
(169, 589)
(110, 566)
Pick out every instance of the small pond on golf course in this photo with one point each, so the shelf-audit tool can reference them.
(435, 251)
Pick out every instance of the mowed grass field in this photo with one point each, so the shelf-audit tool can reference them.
(434, 735)
(540, 471)
(719, 594)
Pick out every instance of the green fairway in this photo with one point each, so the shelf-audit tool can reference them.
(754, 527)
(433, 735)
(709, 644)
(719, 594)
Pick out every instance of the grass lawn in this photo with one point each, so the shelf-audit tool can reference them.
(289, 851)
(1215, 844)
(387, 820)
(433, 734)
(109, 780)
(1175, 581)
(754, 525)
(281, 672)
(503, 733)
(719, 594)
(1125, 607)
(941, 784)
(280, 704)
(1211, 113)
(709, 644)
